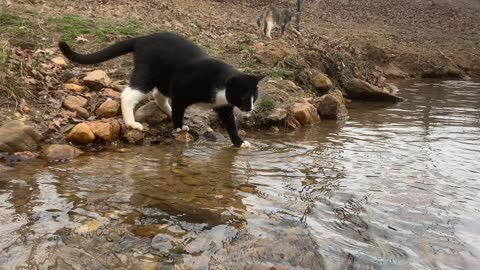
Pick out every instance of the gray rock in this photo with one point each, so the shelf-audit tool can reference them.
(150, 113)
(359, 89)
(16, 136)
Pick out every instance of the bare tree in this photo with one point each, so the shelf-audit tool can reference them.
(299, 8)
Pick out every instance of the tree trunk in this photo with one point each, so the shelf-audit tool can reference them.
(299, 8)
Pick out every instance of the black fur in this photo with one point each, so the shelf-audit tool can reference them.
(180, 70)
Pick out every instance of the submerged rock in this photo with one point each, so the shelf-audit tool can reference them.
(56, 152)
(81, 134)
(331, 106)
(359, 89)
(16, 136)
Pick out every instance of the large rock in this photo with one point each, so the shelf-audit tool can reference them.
(150, 113)
(321, 82)
(359, 89)
(77, 104)
(305, 113)
(332, 106)
(97, 80)
(107, 129)
(56, 152)
(81, 134)
(74, 87)
(109, 108)
(273, 52)
(133, 136)
(16, 136)
(111, 93)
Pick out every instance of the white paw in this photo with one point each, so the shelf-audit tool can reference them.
(184, 128)
(245, 144)
(135, 125)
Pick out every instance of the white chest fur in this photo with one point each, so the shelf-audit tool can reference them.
(220, 100)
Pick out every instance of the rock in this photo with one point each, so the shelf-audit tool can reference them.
(97, 80)
(183, 137)
(151, 114)
(26, 155)
(305, 113)
(162, 242)
(133, 136)
(59, 61)
(81, 134)
(277, 115)
(107, 129)
(259, 45)
(392, 71)
(359, 89)
(109, 108)
(56, 152)
(332, 106)
(111, 93)
(443, 72)
(273, 52)
(214, 136)
(72, 102)
(77, 104)
(16, 136)
(321, 82)
(74, 87)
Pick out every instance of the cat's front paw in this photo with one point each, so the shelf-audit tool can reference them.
(245, 144)
(135, 125)
(184, 128)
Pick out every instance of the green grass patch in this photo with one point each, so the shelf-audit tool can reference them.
(266, 104)
(251, 66)
(128, 28)
(72, 26)
(279, 73)
(12, 23)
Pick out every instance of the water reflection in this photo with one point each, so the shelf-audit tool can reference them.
(394, 187)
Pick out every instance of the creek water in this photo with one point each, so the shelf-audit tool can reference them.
(393, 187)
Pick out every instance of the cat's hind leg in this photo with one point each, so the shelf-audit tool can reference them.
(162, 102)
(129, 99)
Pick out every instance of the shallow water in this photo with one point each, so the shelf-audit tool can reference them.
(394, 187)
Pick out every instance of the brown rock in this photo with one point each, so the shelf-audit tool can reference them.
(76, 104)
(292, 123)
(305, 113)
(107, 129)
(97, 80)
(151, 114)
(392, 71)
(359, 89)
(332, 106)
(74, 87)
(60, 61)
(16, 136)
(321, 82)
(72, 102)
(57, 152)
(133, 136)
(183, 137)
(111, 93)
(273, 52)
(81, 134)
(109, 108)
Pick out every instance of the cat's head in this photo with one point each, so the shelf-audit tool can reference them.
(241, 91)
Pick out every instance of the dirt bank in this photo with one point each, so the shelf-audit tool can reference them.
(354, 44)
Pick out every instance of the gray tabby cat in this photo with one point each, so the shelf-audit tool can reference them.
(275, 17)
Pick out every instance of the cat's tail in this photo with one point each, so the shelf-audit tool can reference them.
(117, 49)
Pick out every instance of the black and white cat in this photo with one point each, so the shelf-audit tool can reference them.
(180, 73)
